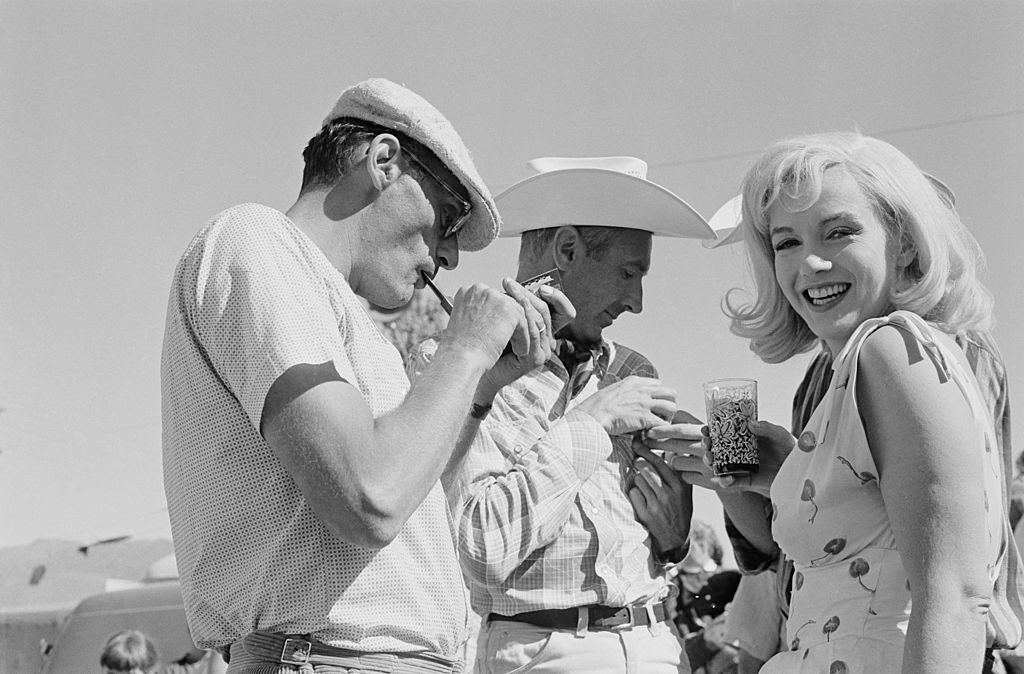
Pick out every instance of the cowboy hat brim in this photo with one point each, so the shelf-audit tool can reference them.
(726, 223)
(597, 197)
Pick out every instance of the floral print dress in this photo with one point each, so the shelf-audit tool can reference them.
(851, 595)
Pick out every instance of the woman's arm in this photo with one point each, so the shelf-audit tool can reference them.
(745, 499)
(750, 514)
(919, 429)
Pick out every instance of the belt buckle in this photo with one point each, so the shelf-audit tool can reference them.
(296, 651)
(618, 622)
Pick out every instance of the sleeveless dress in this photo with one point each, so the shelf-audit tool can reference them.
(851, 594)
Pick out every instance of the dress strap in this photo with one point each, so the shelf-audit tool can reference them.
(909, 321)
(925, 335)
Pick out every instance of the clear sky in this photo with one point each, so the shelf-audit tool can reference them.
(125, 125)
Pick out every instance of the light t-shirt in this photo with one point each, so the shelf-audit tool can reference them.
(251, 297)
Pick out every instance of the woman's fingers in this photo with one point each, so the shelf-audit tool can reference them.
(676, 431)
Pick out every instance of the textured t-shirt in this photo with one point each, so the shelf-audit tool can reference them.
(251, 297)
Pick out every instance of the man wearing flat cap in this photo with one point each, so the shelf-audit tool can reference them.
(547, 500)
(301, 469)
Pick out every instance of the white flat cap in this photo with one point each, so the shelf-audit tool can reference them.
(393, 106)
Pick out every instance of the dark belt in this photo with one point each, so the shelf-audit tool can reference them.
(598, 617)
(302, 653)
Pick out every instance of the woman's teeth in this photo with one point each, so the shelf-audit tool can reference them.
(825, 294)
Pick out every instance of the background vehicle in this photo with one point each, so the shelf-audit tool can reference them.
(155, 609)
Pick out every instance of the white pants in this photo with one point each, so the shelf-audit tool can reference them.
(507, 647)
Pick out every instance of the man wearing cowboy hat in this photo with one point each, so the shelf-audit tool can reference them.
(301, 471)
(547, 500)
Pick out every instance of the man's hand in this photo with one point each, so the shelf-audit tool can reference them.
(688, 450)
(482, 321)
(562, 310)
(662, 501)
(633, 404)
(533, 338)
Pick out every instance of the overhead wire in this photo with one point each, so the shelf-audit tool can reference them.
(885, 132)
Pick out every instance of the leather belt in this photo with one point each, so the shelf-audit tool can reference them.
(598, 617)
(303, 653)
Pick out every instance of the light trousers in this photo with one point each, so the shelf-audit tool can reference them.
(507, 647)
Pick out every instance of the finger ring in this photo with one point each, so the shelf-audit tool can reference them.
(541, 329)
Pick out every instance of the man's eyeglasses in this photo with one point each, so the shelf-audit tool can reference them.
(452, 218)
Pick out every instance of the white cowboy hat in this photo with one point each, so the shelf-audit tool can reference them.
(726, 223)
(596, 191)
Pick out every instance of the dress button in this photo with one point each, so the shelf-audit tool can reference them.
(807, 441)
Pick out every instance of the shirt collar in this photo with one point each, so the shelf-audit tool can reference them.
(576, 354)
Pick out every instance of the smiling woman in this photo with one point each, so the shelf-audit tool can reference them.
(851, 182)
(834, 259)
(893, 512)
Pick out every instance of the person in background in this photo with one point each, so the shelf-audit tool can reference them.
(705, 612)
(410, 324)
(547, 503)
(196, 661)
(129, 652)
(301, 469)
(703, 559)
(896, 489)
(704, 591)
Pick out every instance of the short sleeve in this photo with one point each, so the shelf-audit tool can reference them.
(261, 305)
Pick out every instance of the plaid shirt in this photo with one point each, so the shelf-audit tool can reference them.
(540, 505)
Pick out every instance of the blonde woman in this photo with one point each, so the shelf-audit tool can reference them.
(890, 504)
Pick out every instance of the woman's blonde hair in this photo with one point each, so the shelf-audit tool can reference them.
(940, 282)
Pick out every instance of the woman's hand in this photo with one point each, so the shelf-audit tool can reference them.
(687, 449)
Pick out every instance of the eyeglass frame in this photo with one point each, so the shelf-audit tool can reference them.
(467, 207)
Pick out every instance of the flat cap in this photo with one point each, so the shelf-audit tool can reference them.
(391, 105)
